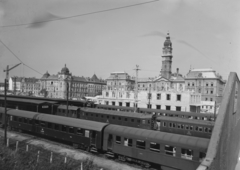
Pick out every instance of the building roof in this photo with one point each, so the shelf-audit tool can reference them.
(65, 70)
(203, 73)
(28, 100)
(159, 137)
(30, 80)
(120, 76)
(17, 79)
(69, 107)
(46, 75)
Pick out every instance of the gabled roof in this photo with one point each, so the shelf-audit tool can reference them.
(160, 78)
(94, 78)
(203, 73)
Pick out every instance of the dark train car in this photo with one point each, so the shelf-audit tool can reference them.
(169, 151)
(73, 111)
(130, 119)
(116, 108)
(81, 133)
(170, 113)
(40, 106)
(190, 127)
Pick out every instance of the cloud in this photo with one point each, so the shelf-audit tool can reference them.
(42, 20)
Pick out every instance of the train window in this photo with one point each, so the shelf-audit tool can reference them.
(191, 127)
(196, 128)
(79, 131)
(56, 127)
(170, 124)
(92, 115)
(186, 153)
(118, 139)
(201, 156)
(15, 118)
(42, 123)
(143, 121)
(113, 117)
(200, 129)
(179, 126)
(20, 119)
(87, 133)
(86, 114)
(170, 150)
(206, 130)
(30, 121)
(119, 118)
(102, 116)
(182, 126)
(96, 115)
(71, 130)
(107, 117)
(36, 122)
(174, 125)
(63, 111)
(126, 119)
(25, 120)
(64, 128)
(148, 121)
(50, 125)
(209, 130)
(140, 144)
(127, 142)
(132, 120)
(138, 121)
(164, 124)
(59, 110)
(154, 147)
(186, 127)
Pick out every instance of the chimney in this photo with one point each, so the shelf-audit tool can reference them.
(177, 71)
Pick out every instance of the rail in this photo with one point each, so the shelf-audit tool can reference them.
(223, 149)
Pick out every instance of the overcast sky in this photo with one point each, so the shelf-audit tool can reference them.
(204, 34)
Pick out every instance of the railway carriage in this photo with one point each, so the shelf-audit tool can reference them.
(170, 151)
(81, 133)
(190, 127)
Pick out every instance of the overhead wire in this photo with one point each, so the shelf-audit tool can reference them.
(74, 16)
(18, 57)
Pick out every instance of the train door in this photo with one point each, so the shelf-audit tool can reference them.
(110, 142)
(93, 138)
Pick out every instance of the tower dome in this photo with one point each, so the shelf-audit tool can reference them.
(167, 42)
(46, 75)
(65, 70)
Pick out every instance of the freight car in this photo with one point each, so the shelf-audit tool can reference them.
(190, 127)
(165, 150)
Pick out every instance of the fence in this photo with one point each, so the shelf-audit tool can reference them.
(224, 145)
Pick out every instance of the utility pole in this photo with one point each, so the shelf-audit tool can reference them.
(215, 107)
(5, 96)
(136, 88)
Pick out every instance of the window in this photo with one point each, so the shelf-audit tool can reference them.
(186, 153)
(149, 106)
(15, 118)
(170, 150)
(211, 91)
(140, 144)
(186, 127)
(127, 142)
(154, 147)
(132, 120)
(79, 131)
(178, 97)
(207, 84)
(158, 106)
(143, 121)
(126, 119)
(149, 95)
(50, 125)
(120, 103)
(25, 120)
(107, 94)
(118, 139)
(127, 104)
(201, 156)
(56, 127)
(211, 99)
(64, 128)
(211, 84)
(205, 99)
(178, 108)
(87, 133)
(164, 124)
(71, 130)
(113, 103)
(168, 97)
(20, 119)
(168, 107)
(192, 84)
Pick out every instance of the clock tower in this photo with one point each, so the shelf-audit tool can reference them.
(166, 70)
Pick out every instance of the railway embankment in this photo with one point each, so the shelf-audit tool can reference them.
(66, 151)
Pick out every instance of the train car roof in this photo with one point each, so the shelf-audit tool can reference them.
(20, 113)
(184, 120)
(80, 123)
(117, 113)
(115, 107)
(69, 107)
(156, 136)
(175, 112)
(32, 101)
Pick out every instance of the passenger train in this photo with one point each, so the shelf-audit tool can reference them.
(166, 151)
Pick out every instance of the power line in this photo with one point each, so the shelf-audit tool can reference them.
(74, 16)
(18, 57)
